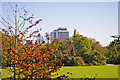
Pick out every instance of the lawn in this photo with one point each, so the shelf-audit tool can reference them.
(110, 71)
(100, 71)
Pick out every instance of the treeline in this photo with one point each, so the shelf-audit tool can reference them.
(78, 50)
(82, 51)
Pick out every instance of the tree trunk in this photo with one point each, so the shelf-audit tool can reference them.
(15, 39)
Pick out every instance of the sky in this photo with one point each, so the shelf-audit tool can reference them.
(96, 20)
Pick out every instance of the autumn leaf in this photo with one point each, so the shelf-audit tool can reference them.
(39, 35)
(53, 54)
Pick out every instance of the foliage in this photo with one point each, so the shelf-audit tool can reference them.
(79, 50)
(23, 54)
(31, 60)
(112, 52)
(79, 61)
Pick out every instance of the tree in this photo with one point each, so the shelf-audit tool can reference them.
(112, 52)
(5, 45)
(33, 59)
(89, 49)
(79, 61)
(16, 28)
(75, 33)
(82, 44)
(79, 50)
(58, 45)
(98, 53)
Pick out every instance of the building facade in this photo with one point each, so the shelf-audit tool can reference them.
(60, 33)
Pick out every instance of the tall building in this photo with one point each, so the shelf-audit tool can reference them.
(60, 33)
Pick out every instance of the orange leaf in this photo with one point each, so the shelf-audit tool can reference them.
(53, 54)
(37, 22)
(6, 42)
(39, 35)
(30, 26)
(3, 40)
(40, 19)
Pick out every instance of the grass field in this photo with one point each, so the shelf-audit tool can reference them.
(110, 71)
(88, 71)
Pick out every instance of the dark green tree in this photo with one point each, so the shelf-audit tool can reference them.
(112, 52)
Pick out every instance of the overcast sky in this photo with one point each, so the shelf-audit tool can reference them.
(96, 20)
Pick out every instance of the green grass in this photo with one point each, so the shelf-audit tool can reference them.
(110, 71)
(91, 71)
(6, 73)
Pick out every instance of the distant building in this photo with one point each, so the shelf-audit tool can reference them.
(60, 33)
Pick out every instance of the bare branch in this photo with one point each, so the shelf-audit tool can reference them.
(11, 20)
(18, 11)
(12, 8)
(6, 22)
(22, 23)
(21, 8)
(7, 29)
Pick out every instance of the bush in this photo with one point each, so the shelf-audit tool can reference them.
(90, 64)
(95, 62)
(79, 61)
